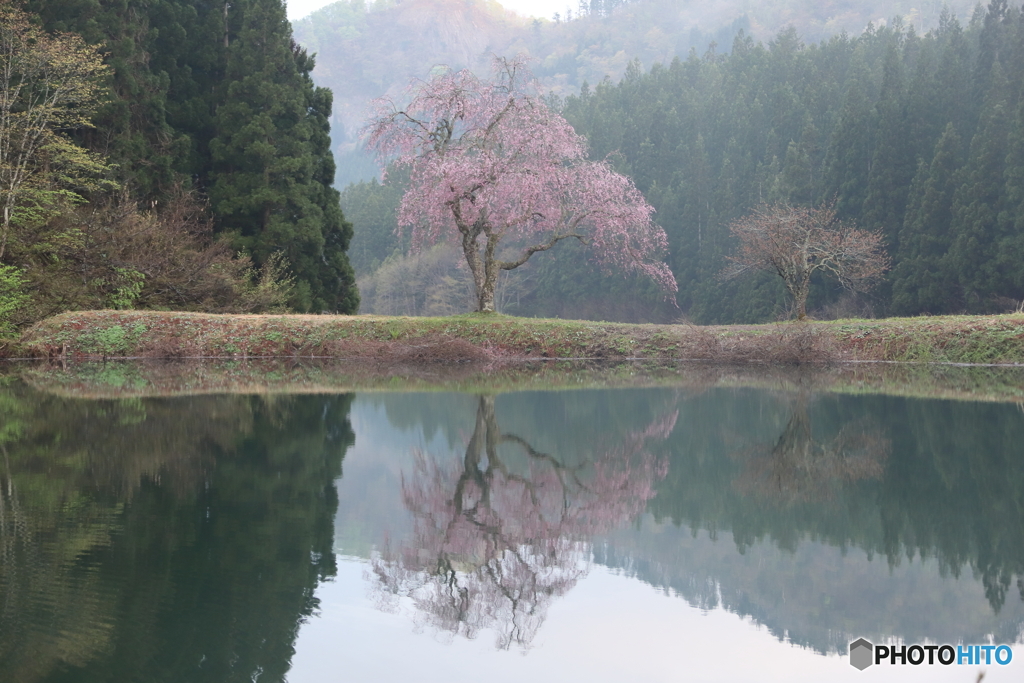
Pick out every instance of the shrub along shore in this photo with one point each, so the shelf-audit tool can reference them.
(995, 339)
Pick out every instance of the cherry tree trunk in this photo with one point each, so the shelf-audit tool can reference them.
(485, 297)
(485, 270)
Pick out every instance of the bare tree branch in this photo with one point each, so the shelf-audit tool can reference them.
(796, 242)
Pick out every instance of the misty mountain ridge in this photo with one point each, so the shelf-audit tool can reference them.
(365, 51)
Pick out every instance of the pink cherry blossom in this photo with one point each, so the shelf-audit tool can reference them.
(497, 538)
(492, 166)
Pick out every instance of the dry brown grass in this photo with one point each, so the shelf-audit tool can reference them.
(475, 337)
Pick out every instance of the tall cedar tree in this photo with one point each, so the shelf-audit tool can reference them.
(979, 200)
(270, 183)
(922, 280)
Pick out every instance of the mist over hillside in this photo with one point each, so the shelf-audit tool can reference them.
(365, 50)
(916, 137)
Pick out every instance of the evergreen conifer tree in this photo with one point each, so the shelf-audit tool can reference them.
(799, 173)
(979, 201)
(267, 185)
(1010, 241)
(850, 152)
(131, 129)
(892, 164)
(922, 281)
(218, 96)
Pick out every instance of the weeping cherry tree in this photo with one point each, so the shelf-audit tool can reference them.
(492, 165)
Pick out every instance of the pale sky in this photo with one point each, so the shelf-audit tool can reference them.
(297, 9)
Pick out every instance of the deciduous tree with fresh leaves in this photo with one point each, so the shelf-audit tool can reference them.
(797, 241)
(49, 85)
(492, 166)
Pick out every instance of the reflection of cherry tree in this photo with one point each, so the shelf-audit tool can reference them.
(501, 534)
(799, 467)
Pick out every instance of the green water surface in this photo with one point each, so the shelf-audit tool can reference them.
(256, 536)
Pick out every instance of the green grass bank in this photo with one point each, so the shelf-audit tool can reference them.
(486, 337)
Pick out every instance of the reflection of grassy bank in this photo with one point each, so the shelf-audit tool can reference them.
(112, 379)
(109, 334)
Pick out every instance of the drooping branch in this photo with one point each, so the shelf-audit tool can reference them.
(490, 158)
(530, 251)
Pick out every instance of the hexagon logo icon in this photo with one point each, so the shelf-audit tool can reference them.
(860, 654)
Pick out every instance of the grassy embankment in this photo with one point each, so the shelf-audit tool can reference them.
(474, 337)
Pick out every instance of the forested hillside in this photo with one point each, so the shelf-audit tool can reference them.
(194, 169)
(919, 136)
(366, 49)
(202, 179)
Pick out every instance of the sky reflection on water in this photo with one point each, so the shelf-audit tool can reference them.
(608, 628)
(658, 629)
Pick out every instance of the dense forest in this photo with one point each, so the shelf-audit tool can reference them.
(368, 49)
(198, 175)
(195, 170)
(920, 137)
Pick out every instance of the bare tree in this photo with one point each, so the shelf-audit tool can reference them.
(796, 241)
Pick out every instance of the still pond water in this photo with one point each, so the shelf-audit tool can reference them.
(724, 534)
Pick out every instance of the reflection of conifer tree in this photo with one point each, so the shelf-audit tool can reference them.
(503, 533)
(65, 487)
(899, 478)
(198, 572)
